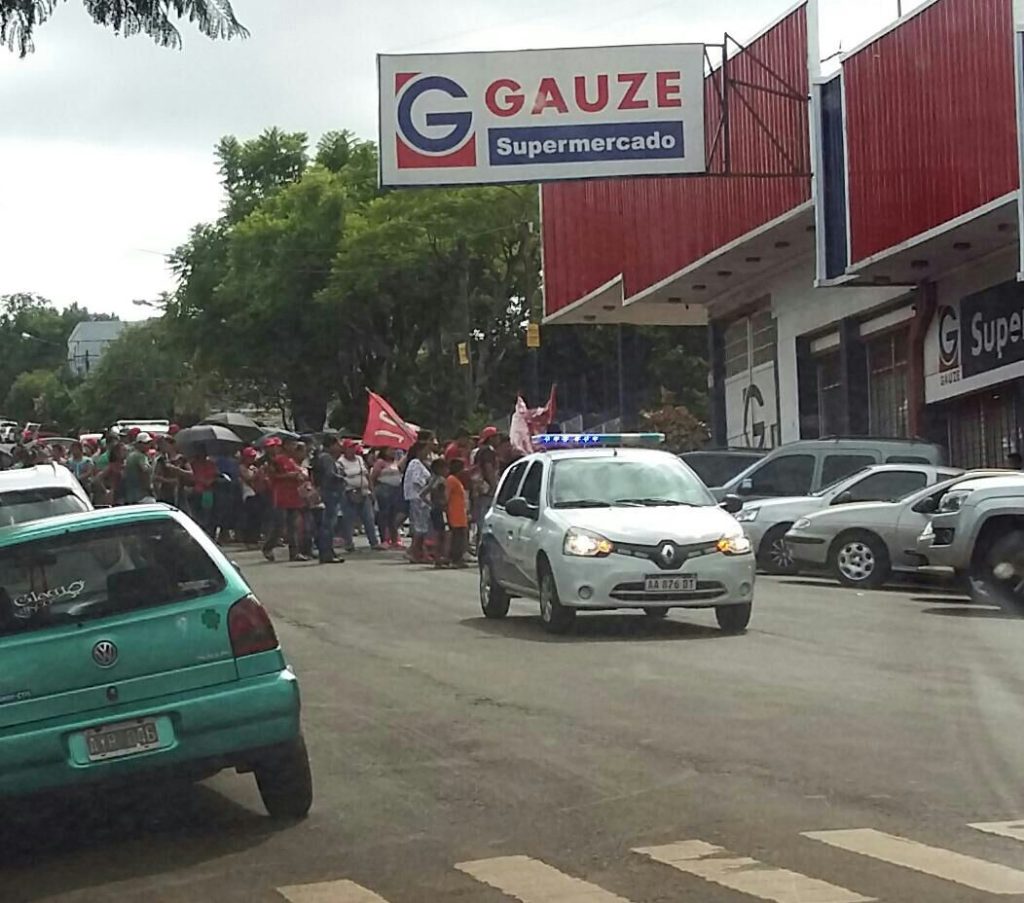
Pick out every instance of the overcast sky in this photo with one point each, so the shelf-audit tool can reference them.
(107, 143)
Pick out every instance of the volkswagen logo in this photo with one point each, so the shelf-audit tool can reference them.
(104, 653)
(668, 554)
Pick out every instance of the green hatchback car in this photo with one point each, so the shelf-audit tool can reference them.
(132, 648)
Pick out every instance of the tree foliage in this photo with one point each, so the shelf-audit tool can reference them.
(155, 18)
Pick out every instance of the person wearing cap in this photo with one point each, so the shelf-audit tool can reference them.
(484, 477)
(286, 518)
(138, 471)
(356, 503)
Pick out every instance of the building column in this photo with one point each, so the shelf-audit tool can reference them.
(853, 356)
(924, 309)
(716, 383)
(808, 416)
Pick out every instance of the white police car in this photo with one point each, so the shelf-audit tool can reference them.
(595, 523)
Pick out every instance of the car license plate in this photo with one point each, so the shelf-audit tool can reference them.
(114, 740)
(658, 584)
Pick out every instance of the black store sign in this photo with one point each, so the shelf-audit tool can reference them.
(992, 329)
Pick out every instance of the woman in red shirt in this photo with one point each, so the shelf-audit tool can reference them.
(285, 479)
(204, 474)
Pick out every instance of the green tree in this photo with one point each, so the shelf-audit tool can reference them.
(39, 395)
(143, 373)
(214, 18)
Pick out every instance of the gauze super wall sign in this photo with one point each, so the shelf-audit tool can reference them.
(541, 115)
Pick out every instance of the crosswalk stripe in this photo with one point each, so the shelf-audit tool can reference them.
(947, 864)
(532, 881)
(1014, 829)
(746, 875)
(330, 892)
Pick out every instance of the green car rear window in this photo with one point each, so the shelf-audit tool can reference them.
(91, 574)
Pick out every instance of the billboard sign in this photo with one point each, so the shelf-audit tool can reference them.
(541, 115)
(975, 342)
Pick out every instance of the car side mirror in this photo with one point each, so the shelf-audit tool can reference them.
(928, 505)
(733, 504)
(236, 565)
(519, 507)
(844, 498)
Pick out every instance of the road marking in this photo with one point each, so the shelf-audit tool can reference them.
(532, 881)
(330, 892)
(947, 864)
(748, 876)
(1014, 829)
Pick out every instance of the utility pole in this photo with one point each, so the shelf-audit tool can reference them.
(622, 378)
(532, 354)
(463, 257)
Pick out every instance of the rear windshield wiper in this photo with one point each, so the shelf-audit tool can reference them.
(582, 503)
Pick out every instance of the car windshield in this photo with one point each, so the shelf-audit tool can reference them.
(659, 480)
(22, 505)
(83, 575)
(835, 484)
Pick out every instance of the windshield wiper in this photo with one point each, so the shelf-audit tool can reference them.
(653, 503)
(582, 503)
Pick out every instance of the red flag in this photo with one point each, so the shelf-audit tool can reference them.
(540, 418)
(384, 428)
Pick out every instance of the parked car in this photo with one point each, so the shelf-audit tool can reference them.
(716, 466)
(9, 430)
(863, 544)
(133, 648)
(807, 466)
(978, 531)
(36, 493)
(767, 521)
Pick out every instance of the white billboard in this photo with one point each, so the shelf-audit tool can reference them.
(541, 115)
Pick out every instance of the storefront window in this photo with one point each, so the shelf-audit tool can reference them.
(830, 394)
(887, 384)
(984, 429)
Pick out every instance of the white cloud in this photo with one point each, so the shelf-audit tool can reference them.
(107, 143)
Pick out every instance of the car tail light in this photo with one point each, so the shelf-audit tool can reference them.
(249, 628)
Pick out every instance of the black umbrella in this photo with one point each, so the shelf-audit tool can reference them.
(216, 440)
(241, 425)
(278, 434)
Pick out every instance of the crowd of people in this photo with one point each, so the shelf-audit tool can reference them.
(307, 496)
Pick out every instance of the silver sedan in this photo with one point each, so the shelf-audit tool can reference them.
(862, 544)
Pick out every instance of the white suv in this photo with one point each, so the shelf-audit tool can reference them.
(600, 529)
(35, 493)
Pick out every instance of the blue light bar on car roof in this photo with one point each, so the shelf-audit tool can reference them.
(597, 440)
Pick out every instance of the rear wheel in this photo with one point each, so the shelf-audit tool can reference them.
(494, 600)
(733, 618)
(553, 614)
(860, 559)
(285, 782)
(775, 556)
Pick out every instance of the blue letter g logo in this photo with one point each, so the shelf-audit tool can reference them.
(460, 123)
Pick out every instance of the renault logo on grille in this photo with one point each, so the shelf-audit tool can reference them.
(104, 653)
(668, 554)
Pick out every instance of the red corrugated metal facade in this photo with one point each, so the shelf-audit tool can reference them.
(647, 229)
(929, 104)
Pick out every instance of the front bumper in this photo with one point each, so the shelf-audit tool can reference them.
(809, 551)
(618, 582)
(947, 547)
(211, 728)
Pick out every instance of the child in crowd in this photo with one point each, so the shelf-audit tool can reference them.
(436, 495)
(458, 514)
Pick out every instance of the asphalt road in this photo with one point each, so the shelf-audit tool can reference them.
(439, 739)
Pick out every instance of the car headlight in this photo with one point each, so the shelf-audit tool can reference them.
(586, 544)
(953, 501)
(929, 530)
(734, 545)
(746, 515)
(802, 524)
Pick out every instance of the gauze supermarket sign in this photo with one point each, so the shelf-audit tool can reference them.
(975, 342)
(541, 115)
